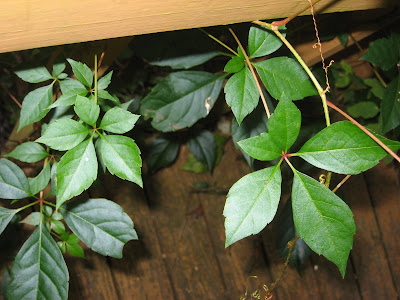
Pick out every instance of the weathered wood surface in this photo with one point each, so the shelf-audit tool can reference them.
(26, 24)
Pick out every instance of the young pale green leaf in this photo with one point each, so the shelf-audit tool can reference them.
(163, 151)
(76, 171)
(343, 148)
(192, 164)
(35, 105)
(121, 156)
(322, 220)
(285, 79)
(5, 217)
(39, 270)
(104, 81)
(39, 182)
(75, 250)
(181, 99)
(71, 86)
(185, 61)
(390, 106)
(29, 152)
(82, 72)
(57, 226)
(261, 147)
(263, 41)
(68, 99)
(234, 65)
(34, 75)
(87, 110)
(118, 120)
(241, 94)
(252, 203)
(382, 53)
(101, 224)
(204, 148)
(365, 110)
(284, 124)
(13, 182)
(64, 134)
(253, 125)
(58, 69)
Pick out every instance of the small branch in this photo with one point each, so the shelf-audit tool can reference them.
(287, 20)
(11, 96)
(219, 42)
(378, 141)
(101, 60)
(253, 73)
(341, 183)
(95, 78)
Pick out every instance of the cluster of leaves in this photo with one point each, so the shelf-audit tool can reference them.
(371, 99)
(84, 131)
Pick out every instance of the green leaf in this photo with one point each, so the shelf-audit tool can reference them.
(57, 216)
(390, 106)
(181, 99)
(118, 120)
(13, 182)
(284, 124)
(29, 152)
(57, 226)
(263, 41)
(58, 69)
(322, 220)
(377, 89)
(47, 210)
(252, 203)
(234, 65)
(365, 110)
(5, 217)
(69, 99)
(75, 250)
(343, 148)
(194, 165)
(87, 110)
(64, 134)
(39, 270)
(285, 79)
(39, 182)
(261, 147)
(101, 224)
(104, 81)
(71, 86)
(185, 61)
(34, 75)
(382, 53)
(163, 151)
(204, 148)
(53, 179)
(241, 94)
(106, 95)
(343, 38)
(82, 72)
(33, 219)
(121, 156)
(76, 171)
(253, 125)
(35, 105)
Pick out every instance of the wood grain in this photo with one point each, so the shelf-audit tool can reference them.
(26, 24)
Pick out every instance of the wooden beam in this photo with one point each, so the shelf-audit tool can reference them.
(26, 24)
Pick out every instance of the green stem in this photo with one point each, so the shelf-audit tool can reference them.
(28, 205)
(95, 78)
(49, 203)
(219, 42)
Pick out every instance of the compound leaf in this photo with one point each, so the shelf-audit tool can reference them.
(39, 270)
(29, 152)
(284, 124)
(76, 171)
(82, 72)
(322, 220)
(13, 182)
(121, 156)
(204, 148)
(35, 105)
(181, 99)
(343, 148)
(101, 224)
(263, 41)
(87, 110)
(252, 203)
(64, 134)
(390, 106)
(241, 94)
(285, 79)
(34, 75)
(5, 217)
(163, 151)
(118, 120)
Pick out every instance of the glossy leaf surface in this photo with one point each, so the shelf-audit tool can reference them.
(118, 120)
(34, 75)
(5, 217)
(263, 41)
(29, 152)
(87, 110)
(13, 182)
(39, 182)
(82, 72)
(163, 151)
(261, 147)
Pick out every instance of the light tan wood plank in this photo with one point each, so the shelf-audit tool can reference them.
(28, 24)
